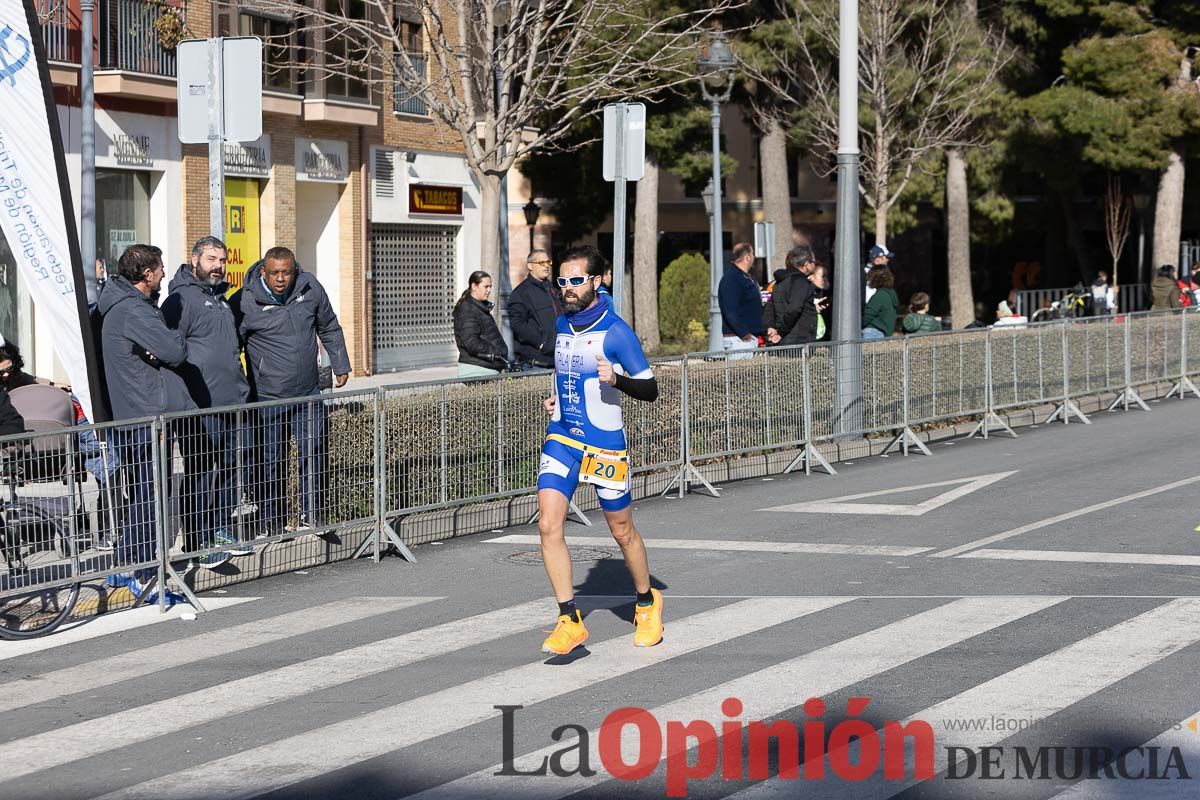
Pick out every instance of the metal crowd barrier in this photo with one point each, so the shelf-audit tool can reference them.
(192, 500)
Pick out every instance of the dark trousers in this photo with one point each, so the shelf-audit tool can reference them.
(304, 421)
(209, 445)
(139, 538)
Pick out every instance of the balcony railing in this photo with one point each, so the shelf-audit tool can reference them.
(404, 101)
(130, 41)
(55, 30)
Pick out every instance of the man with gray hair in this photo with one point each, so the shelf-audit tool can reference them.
(197, 309)
(791, 314)
(533, 309)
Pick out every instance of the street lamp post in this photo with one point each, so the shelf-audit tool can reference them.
(847, 288)
(716, 83)
(87, 151)
(532, 210)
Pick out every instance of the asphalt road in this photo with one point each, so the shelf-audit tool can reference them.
(1042, 592)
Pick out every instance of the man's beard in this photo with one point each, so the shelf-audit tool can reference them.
(211, 279)
(580, 302)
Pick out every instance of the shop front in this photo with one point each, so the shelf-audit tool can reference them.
(322, 175)
(247, 167)
(424, 243)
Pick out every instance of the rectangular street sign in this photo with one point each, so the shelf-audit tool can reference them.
(764, 239)
(633, 115)
(241, 93)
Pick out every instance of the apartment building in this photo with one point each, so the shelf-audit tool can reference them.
(356, 176)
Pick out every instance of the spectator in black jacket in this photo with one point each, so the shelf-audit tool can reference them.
(481, 348)
(740, 301)
(140, 352)
(197, 308)
(791, 314)
(11, 420)
(281, 311)
(533, 308)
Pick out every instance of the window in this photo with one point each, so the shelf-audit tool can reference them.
(345, 59)
(275, 27)
(278, 42)
(404, 99)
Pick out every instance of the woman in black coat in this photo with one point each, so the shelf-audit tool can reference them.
(481, 348)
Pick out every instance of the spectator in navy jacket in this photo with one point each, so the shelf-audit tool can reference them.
(281, 311)
(197, 308)
(741, 302)
(140, 357)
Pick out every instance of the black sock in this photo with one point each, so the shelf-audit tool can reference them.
(645, 598)
(567, 608)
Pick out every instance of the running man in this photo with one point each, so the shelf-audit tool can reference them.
(597, 357)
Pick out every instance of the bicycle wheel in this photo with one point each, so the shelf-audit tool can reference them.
(38, 578)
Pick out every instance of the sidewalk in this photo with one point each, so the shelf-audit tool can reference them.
(440, 373)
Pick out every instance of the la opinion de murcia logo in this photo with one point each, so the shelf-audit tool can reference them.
(10, 62)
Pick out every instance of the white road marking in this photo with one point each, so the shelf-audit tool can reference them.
(1033, 526)
(1083, 557)
(110, 623)
(843, 505)
(21, 692)
(1035, 690)
(309, 755)
(770, 691)
(819, 548)
(141, 723)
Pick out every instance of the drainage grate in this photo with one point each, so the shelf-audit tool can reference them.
(533, 558)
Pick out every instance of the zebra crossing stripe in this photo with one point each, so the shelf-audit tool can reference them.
(818, 548)
(105, 624)
(92, 675)
(141, 723)
(770, 691)
(309, 755)
(1035, 690)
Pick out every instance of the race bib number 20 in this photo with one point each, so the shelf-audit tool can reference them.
(607, 468)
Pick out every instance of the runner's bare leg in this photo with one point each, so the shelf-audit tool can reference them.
(552, 510)
(620, 523)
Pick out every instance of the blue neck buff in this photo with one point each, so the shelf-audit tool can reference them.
(586, 317)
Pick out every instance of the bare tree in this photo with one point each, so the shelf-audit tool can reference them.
(925, 74)
(1118, 211)
(505, 77)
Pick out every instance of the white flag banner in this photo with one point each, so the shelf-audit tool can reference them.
(35, 200)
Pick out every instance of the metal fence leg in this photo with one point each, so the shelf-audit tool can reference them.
(809, 456)
(1184, 384)
(688, 474)
(1067, 408)
(990, 418)
(384, 532)
(1128, 394)
(906, 436)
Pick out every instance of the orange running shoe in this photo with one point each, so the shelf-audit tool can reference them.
(568, 634)
(648, 620)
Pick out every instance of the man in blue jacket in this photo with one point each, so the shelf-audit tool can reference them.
(741, 302)
(281, 312)
(140, 352)
(197, 308)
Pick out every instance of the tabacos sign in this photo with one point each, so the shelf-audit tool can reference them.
(427, 199)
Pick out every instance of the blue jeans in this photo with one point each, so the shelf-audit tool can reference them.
(139, 538)
(305, 422)
(872, 333)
